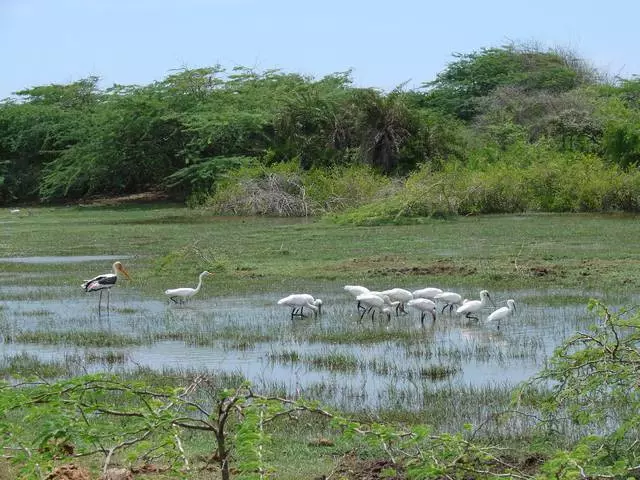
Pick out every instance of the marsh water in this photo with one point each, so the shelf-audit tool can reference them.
(335, 356)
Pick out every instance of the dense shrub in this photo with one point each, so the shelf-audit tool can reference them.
(524, 178)
(285, 189)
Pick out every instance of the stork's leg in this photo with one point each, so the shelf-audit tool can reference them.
(469, 316)
(364, 311)
(108, 299)
(422, 319)
(99, 302)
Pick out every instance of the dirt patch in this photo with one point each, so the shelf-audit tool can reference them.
(353, 468)
(397, 266)
(69, 472)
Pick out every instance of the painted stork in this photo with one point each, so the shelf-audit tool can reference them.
(298, 301)
(185, 292)
(105, 282)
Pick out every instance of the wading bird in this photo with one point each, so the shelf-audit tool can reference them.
(450, 300)
(503, 312)
(424, 305)
(183, 293)
(356, 290)
(373, 301)
(473, 306)
(298, 301)
(105, 281)
(399, 295)
(429, 292)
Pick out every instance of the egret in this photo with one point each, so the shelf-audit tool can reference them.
(424, 305)
(185, 292)
(298, 301)
(450, 299)
(399, 295)
(375, 301)
(503, 312)
(105, 282)
(356, 290)
(473, 306)
(429, 292)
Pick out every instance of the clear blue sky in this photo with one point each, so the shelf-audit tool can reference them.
(385, 42)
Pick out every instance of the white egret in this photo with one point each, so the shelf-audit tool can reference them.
(450, 299)
(503, 312)
(373, 301)
(356, 290)
(424, 305)
(298, 301)
(185, 292)
(429, 292)
(399, 295)
(105, 282)
(473, 306)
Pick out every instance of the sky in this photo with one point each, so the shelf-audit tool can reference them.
(384, 43)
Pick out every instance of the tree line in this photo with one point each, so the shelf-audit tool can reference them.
(184, 135)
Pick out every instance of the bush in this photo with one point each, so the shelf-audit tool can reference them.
(522, 178)
(286, 190)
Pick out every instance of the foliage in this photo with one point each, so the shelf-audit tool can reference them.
(521, 178)
(591, 380)
(285, 189)
(183, 134)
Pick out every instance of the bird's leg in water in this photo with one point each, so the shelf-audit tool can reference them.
(108, 299)
(99, 302)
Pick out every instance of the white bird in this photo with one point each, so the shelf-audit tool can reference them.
(399, 295)
(185, 292)
(450, 299)
(373, 301)
(503, 312)
(298, 301)
(424, 305)
(105, 282)
(356, 290)
(429, 292)
(473, 306)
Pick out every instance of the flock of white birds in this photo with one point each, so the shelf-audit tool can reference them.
(383, 302)
(396, 299)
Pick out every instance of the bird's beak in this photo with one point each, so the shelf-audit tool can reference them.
(125, 273)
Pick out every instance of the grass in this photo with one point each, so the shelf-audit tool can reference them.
(551, 264)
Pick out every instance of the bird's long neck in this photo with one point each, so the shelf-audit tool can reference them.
(199, 282)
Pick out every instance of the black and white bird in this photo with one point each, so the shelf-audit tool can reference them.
(298, 301)
(183, 293)
(105, 282)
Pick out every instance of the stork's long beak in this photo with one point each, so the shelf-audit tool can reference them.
(125, 273)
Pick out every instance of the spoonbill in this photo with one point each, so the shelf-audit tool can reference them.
(429, 292)
(298, 301)
(424, 305)
(356, 290)
(105, 282)
(503, 312)
(373, 301)
(473, 306)
(185, 292)
(399, 295)
(450, 299)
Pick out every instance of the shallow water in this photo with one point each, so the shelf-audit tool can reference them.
(247, 334)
